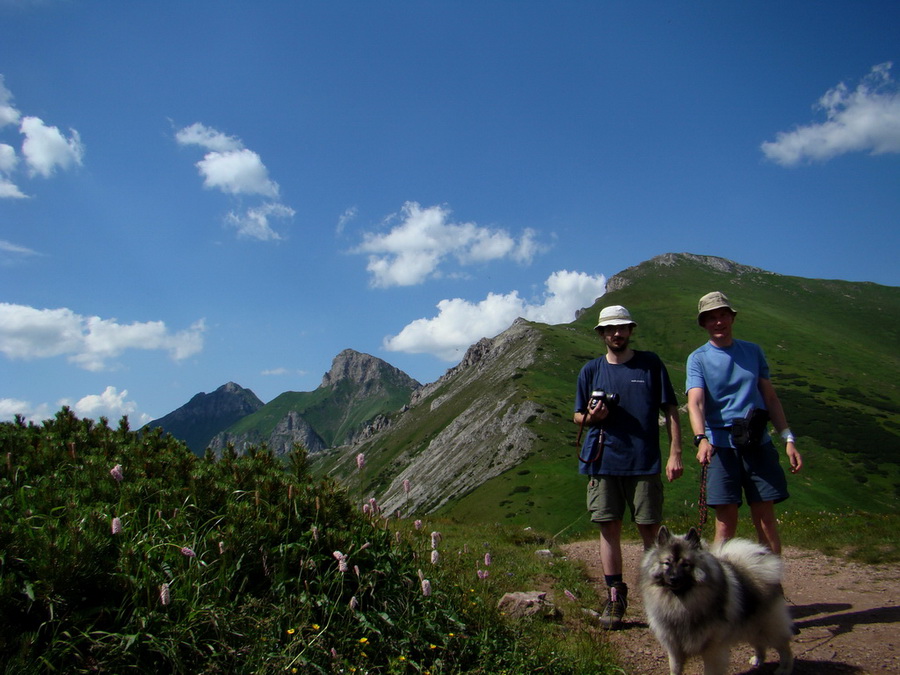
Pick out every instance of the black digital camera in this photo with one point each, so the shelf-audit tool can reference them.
(607, 397)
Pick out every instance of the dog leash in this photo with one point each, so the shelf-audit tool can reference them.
(704, 509)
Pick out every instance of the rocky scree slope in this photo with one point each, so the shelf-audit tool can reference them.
(458, 432)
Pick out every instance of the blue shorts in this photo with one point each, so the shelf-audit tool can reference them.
(757, 474)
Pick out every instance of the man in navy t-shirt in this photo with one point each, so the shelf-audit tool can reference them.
(621, 451)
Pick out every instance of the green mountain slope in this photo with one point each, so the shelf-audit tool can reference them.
(833, 352)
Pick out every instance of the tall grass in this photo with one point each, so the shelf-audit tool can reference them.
(122, 552)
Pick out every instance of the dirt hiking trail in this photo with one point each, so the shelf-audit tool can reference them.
(848, 615)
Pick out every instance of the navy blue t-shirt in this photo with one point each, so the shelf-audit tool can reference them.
(631, 429)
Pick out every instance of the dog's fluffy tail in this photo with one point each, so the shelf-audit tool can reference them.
(759, 563)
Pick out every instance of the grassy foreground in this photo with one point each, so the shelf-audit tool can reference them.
(122, 552)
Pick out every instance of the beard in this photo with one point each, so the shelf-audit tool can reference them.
(617, 344)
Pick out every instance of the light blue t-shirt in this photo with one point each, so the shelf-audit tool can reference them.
(730, 378)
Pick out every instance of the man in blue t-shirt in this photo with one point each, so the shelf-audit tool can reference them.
(728, 387)
(621, 452)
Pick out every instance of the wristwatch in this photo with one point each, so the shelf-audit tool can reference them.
(698, 438)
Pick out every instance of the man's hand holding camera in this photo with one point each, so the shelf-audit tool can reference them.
(599, 406)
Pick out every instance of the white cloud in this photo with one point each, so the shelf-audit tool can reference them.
(8, 112)
(8, 250)
(8, 162)
(9, 190)
(8, 158)
(206, 137)
(46, 148)
(415, 250)
(228, 166)
(346, 217)
(88, 342)
(865, 119)
(237, 172)
(254, 222)
(110, 404)
(10, 407)
(460, 323)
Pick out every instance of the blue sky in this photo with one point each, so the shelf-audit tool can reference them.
(193, 193)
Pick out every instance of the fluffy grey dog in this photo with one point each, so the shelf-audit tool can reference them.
(700, 601)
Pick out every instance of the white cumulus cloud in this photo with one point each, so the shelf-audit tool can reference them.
(866, 119)
(44, 149)
(228, 166)
(460, 323)
(415, 249)
(233, 169)
(88, 342)
(110, 404)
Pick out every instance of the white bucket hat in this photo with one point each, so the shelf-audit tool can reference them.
(614, 315)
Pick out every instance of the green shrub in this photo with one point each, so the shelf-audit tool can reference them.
(122, 552)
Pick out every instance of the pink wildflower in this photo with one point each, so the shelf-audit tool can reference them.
(435, 556)
(426, 587)
(483, 574)
(116, 472)
(116, 525)
(360, 461)
(188, 552)
(406, 485)
(487, 559)
(354, 603)
(435, 539)
(570, 595)
(164, 596)
(418, 524)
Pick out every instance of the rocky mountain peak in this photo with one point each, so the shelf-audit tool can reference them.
(361, 369)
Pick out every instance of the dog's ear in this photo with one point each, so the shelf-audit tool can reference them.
(693, 538)
(663, 536)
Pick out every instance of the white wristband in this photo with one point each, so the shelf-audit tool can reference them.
(787, 436)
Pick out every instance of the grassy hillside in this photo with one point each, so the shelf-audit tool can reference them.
(834, 352)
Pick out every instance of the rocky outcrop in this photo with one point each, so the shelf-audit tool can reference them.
(292, 429)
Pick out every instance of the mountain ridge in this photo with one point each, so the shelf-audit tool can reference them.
(839, 389)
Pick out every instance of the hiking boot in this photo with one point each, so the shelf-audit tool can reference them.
(616, 605)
